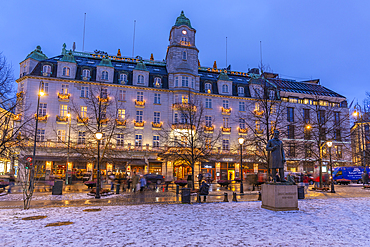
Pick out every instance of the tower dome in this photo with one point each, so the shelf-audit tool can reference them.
(182, 20)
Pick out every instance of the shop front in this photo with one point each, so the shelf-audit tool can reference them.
(155, 167)
(137, 166)
(208, 170)
(181, 170)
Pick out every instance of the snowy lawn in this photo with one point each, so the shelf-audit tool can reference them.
(50, 197)
(329, 222)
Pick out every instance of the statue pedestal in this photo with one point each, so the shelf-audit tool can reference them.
(279, 197)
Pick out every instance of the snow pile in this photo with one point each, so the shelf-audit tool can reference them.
(334, 222)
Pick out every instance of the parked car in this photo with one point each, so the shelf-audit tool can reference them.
(154, 178)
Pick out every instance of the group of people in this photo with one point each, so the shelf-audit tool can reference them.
(135, 183)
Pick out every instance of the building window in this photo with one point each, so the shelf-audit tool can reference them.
(81, 137)
(138, 140)
(40, 137)
(308, 151)
(307, 134)
(44, 87)
(291, 150)
(258, 126)
(63, 110)
(225, 104)
(84, 92)
(157, 82)
(321, 116)
(338, 151)
(290, 131)
(139, 116)
(271, 94)
(61, 135)
(157, 117)
(184, 57)
(176, 81)
(242, 123)
(306, 116)
(225, 122)
(156, 141)
(208, 121)
(185, 99)
(123, 78)
(86, 73)
(140, 96)
(120, 140)
(66, 71)
(185, 81)
(157, 98)
(290, 114)
(46, 69)
(336, 118)
(122, 95)
(83, 112)
(240, 91)
(209, 103)
(337, 135)
(140, 79)
(208, 87)
(42, 109)
(104, 93)
(121, 114)
(65, 89)
(241, 106)
(104, 75)
(192, 83)
(225, 145)
(175, 118)
(225, 88)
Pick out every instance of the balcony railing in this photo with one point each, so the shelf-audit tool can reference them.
(42, 118)
(157, 125)
(62, 119)
(103, 99)
(184, 106)
(226, 129)
(84, 120)
(17, 117)
(139, 103)
(209, 128)
(138, 124)
(63, 97)
(225, 111)
(258, 112)
(182, 126)
(121, 123)
(242, 131)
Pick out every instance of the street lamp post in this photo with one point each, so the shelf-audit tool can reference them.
(330, 144)
(241, 141)
(69, 139)
(32, 174)
(358, 114)
(98, 136)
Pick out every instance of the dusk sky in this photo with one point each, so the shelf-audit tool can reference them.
(301, 40)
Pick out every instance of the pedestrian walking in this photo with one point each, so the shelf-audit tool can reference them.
(111, 178)
(200, 178)
(135, 181)
(142, 183)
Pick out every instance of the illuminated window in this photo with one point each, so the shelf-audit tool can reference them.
(157, 82)
(121, 114)
(208, 87)
(61, 135)
(66, 71)
(65, 89)
(185, 99)
(63, 110)
(120, 140)
(83, 112)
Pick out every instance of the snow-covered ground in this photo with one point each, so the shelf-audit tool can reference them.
(49, 197)
(329, 222)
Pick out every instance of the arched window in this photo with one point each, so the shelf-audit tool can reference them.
(157, 82)
(184, 55)
(46, 70)
(66, 71)
(104, 75)
(240, 90)
(225, 88)
(123, 78)
(208, 87)
(86, 74)
(140, 79)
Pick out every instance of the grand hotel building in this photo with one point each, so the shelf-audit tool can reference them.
(144, 93)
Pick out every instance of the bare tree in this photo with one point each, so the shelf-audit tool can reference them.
(190, 138)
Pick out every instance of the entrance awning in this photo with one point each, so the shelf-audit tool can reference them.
(137, 162)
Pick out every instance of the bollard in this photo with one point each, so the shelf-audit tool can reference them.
(185, 195)
(177, 189)
(234, 197)
(198, 198)
(117, 188)
(259, 196)
(166, 187)
(225, 198)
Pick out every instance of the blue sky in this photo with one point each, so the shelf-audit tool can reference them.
(326, 40)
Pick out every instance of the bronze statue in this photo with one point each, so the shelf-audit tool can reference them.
(277, 156)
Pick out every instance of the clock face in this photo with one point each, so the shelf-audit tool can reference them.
(184, 32)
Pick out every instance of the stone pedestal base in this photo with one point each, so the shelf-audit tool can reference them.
(279, 197)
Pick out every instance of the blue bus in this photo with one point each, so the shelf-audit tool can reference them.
(353, 173)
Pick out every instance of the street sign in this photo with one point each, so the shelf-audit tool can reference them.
(29, 159)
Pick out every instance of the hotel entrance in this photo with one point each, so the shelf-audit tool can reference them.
(181, 170)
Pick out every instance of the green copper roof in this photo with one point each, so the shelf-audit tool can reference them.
(37, 54)
(223, 77)
(68, 57)
(105, 62)
(182, 20)
(141, 66)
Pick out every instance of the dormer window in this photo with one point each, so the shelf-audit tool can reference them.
(225, 88)
(184, 57)
(86, 74)
(104, 75)
(123, 78)
(157, 82)
(272, 94)
(241, 91)
(46, 70)
(66, 71)
(208, 87)
(140, 79)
